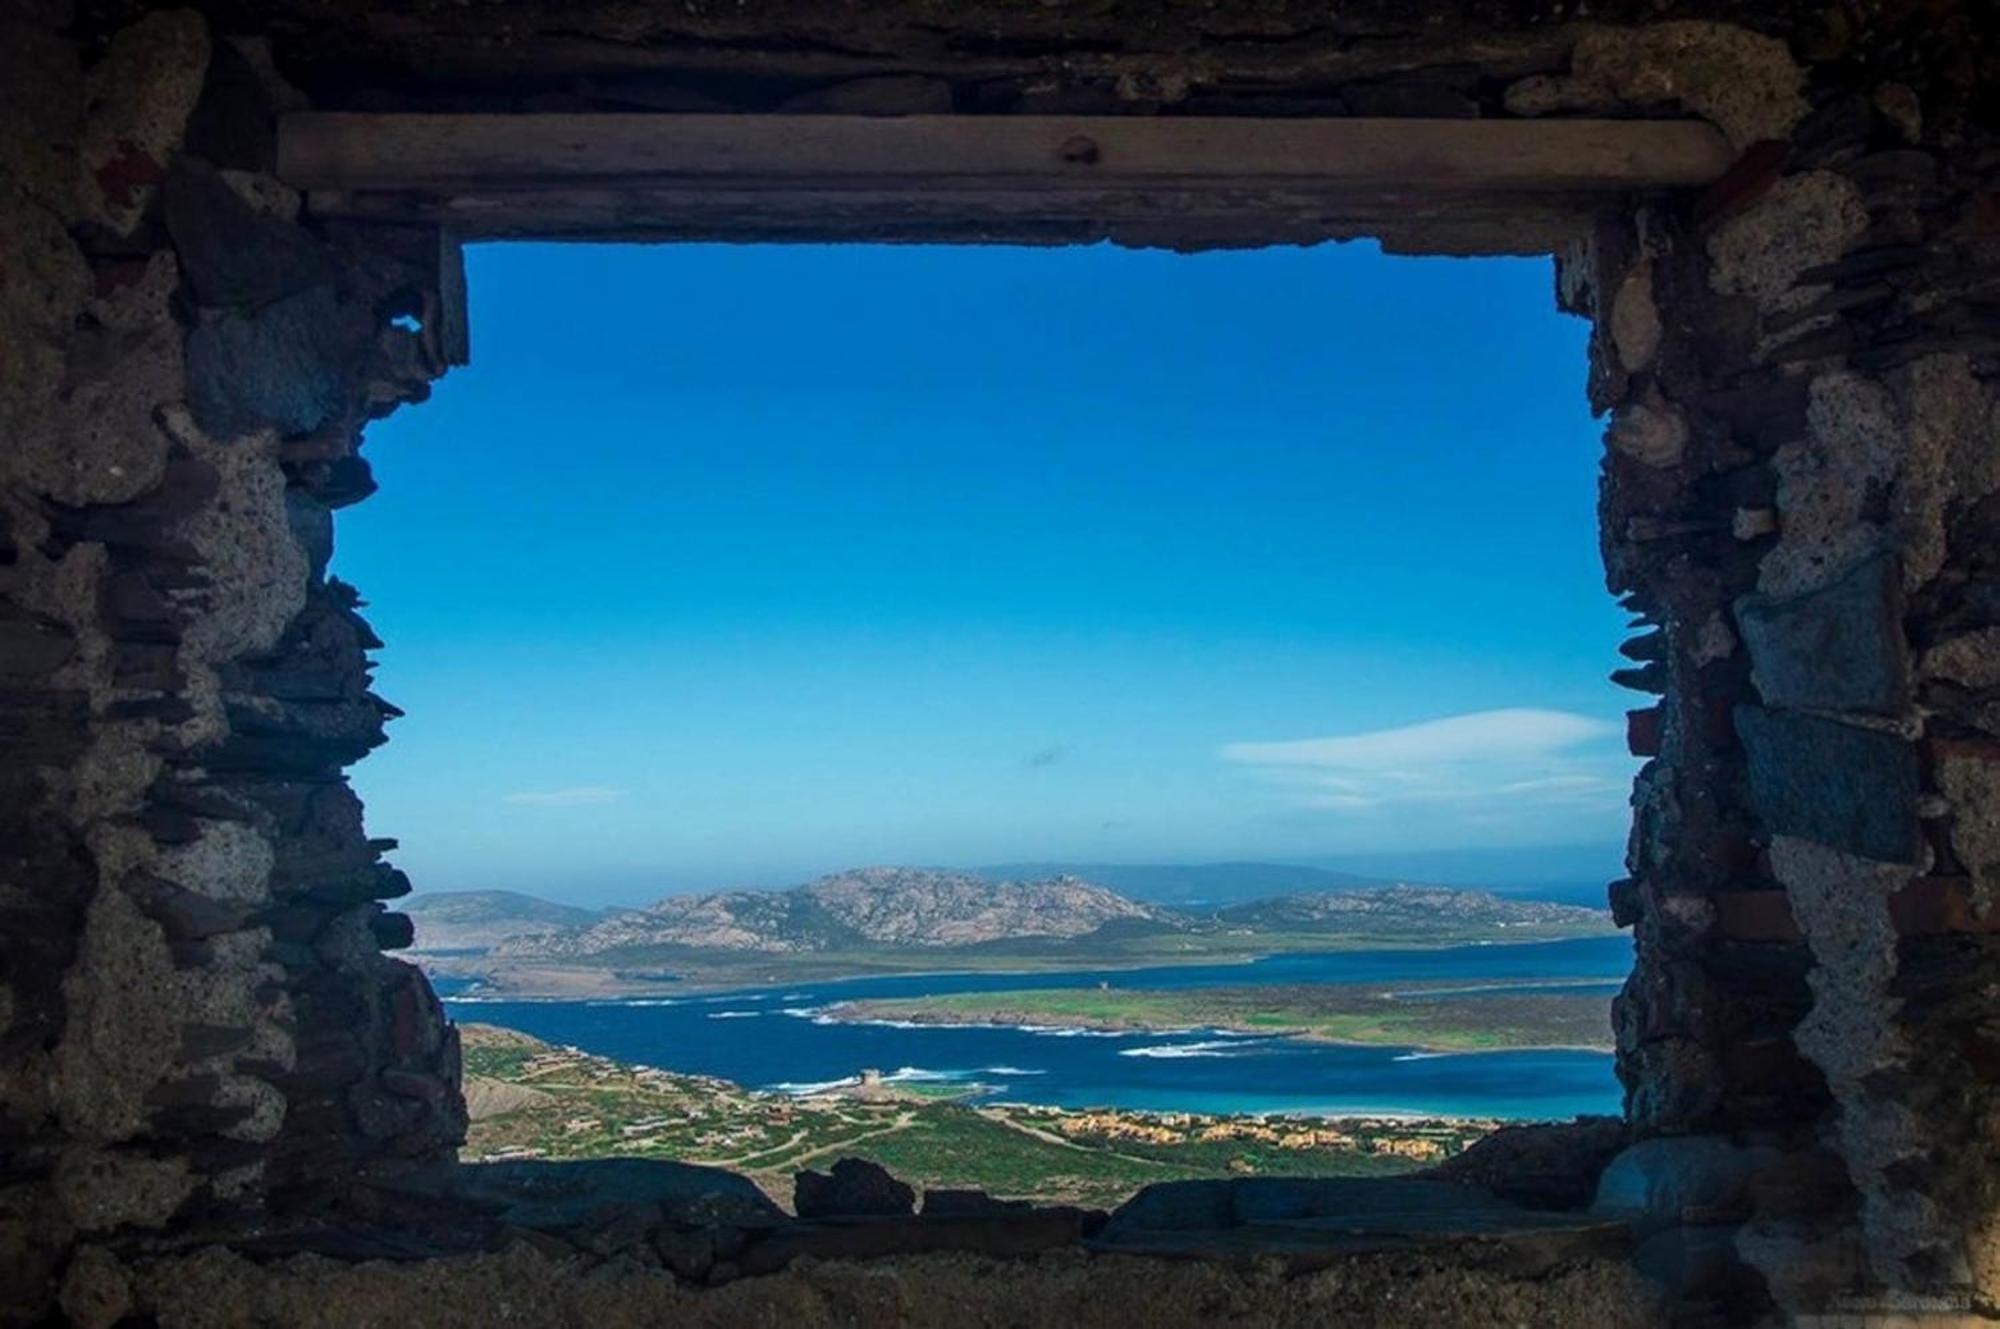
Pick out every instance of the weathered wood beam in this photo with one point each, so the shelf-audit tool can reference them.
(1180, 219)
(352, 152)
(1442, 186)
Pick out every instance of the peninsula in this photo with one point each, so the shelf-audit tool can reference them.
(1429, 1017)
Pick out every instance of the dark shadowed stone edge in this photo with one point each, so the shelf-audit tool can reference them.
(1308, 1223)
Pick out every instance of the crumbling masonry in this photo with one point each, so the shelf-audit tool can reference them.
(220, 1099)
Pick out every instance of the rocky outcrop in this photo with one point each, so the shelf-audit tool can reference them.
(868, 906)
(916, 907)
(479, 920)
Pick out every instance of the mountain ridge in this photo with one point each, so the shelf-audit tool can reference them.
(858, 908)
(911, 910)
(1196, 883)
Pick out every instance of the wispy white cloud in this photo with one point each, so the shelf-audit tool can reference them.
(1481, 735)
(1478, 768)
(1558, 784)
(579, 796)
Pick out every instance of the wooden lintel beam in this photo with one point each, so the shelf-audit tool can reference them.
(437, 155)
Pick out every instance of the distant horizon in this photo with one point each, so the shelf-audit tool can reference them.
(1578, 883)
(722, 563)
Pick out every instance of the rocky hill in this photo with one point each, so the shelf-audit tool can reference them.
(1193, 884)
(1387, 908)
(863, 908)
(477, 920)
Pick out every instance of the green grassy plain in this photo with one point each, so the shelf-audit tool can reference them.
(646, 970)
(1432, 1017)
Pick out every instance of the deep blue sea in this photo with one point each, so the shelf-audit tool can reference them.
(777, 1038)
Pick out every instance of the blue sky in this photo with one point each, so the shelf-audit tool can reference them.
(732, 565)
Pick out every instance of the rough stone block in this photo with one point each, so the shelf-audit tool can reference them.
(1743, 81)
(1699, 1260)
(393, 932)
(1541, 1165)
(1654, 435)
(1969, 660)
(855, 1186)
(233, 257)
(1840, 785)
(950, 1202)
(1664, 1182)
(1839, 648)
(103, 1189)
(1642, 732)
(413, 1084)
(29, 649)
(995, 1236)
(1929, 906)
(95, 1291)
(689, 1252)
(284, 367)
(554, 1197)
(312, 526)
(1299, 1219)
(1802, 222)
(141, 92)
(1968, 774)
(1670, 1084)
(1209, 1205)
(1624, 898)
(1756, 916)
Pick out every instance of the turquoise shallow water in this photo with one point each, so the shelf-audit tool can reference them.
(776, 1037)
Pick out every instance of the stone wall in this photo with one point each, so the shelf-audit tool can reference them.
(1800, 475)
(200, 1034)
(198, 1026)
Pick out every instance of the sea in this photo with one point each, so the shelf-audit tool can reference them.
(780, 1038)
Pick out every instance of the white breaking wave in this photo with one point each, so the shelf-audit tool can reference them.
(1071, 1031)
(812, 1087)
(734, 1015)
(1010, 1070)
(1421, 1056)
(1221, 1047)
(920, 1075)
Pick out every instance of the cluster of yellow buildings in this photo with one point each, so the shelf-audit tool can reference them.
(1180, 1127)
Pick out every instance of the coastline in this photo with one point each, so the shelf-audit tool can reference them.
(549, 1100)
(1518, 1013)
(851, 1016)
(594, 983)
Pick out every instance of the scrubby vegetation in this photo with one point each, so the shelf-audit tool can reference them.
(533, 1100)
